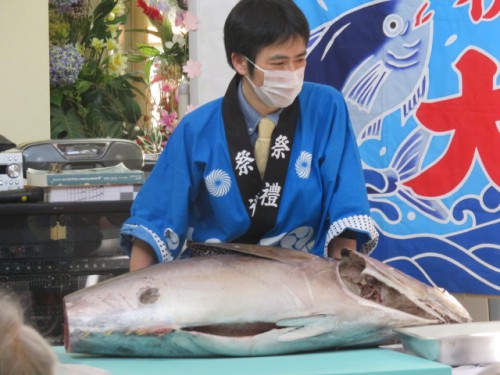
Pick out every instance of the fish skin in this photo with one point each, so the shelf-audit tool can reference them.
(275, 301)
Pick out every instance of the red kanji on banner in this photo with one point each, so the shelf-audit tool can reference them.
(471, 118)
(477, 11)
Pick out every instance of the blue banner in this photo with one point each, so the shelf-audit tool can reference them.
(421, 81)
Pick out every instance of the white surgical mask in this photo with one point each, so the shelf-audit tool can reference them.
(280, 87)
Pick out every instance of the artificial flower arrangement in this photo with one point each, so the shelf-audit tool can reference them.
(168, 69)
(91, 94)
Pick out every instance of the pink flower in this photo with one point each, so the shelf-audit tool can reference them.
(167, 87)
(168, 120)
(190, 21)
(192, 68)
(179, 18)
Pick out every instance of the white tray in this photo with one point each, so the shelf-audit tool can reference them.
(454, 344)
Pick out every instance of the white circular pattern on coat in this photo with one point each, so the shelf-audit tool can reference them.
(298, 239)
(218, 183)
(303, 165)
(172, 239)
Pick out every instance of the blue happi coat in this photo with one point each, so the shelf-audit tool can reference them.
(205, 186)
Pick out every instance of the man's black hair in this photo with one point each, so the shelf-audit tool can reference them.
(255, 24)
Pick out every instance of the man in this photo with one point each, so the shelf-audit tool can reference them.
(300, 186)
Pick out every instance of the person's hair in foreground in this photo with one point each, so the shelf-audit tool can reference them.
(23, 350)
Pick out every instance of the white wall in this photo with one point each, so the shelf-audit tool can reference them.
(24, 70)
(206, 45)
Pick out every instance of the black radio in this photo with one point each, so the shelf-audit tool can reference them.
(81, 153)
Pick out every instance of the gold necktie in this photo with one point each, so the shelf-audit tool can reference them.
(263, 143)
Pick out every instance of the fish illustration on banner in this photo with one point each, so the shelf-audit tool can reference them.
(421, 82)
(376, 48)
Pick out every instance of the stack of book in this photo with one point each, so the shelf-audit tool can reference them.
(87, 185)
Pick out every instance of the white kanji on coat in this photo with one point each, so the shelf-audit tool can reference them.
(244, 162)
(280, 147)
(270, 195)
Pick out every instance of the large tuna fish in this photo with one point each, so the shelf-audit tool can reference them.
(273, 302)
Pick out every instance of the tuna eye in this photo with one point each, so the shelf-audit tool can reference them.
(393, 25)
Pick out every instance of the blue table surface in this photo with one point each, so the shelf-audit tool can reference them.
(345, 362)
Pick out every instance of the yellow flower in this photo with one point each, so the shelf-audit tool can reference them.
(112, 44)
(119, 9)
(80, 48)
(117, 63)
(58, 31)
(97, 44)
(112, 29)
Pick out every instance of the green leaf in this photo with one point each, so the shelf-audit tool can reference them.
(66, 125)
(166, 32)
(131, 110)
(147, 70)
(149, 51)
(121, 20)
(136, 58)
(56, 97)
(83, 86)
(101, 125)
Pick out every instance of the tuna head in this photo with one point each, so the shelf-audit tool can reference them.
(255, 301)
(378, 282)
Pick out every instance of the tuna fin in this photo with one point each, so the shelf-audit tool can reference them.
(372, 130)
(308, 326)
(414, 99)
(408, 157)
(363, 91)
(269, 252)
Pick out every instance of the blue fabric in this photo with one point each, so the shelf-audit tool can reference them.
(192, 192)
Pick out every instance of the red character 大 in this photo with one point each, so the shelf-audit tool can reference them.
(471, 119)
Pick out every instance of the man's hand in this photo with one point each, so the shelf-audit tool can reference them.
(337, 244)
